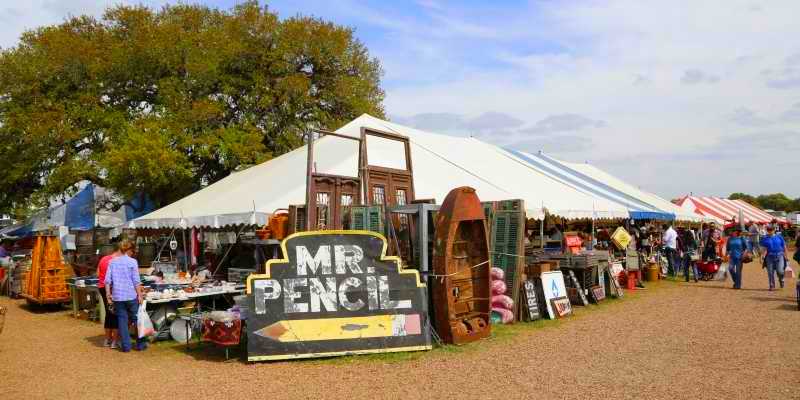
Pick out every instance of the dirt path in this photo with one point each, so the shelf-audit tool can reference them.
(672, 341)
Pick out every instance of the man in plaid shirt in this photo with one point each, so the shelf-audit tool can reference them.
(124, 288)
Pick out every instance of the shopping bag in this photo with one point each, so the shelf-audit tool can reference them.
(788, 272)
(722, 273)
(144, 326)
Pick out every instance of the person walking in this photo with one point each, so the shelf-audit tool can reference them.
(110, 323)
(670, 241)
(754, 238)
(124, 288)
(736, 247)
(776, 256)
(689, 243)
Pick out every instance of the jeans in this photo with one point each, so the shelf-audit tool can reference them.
(127, 312)
(735, 268)
(670, 253)
(688, 264)
(775, 265)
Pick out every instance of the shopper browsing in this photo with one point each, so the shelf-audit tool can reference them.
(670, 240)
(110, 324)
(125, 290)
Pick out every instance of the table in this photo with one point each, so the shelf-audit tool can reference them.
(73, 290)
(162, 330)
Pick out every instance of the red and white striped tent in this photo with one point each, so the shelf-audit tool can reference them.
(725, 210)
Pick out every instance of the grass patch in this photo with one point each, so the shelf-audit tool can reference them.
(500, 334)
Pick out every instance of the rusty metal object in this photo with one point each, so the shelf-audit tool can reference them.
(461, 290)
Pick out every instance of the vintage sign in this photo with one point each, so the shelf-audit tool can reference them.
(336, 293)
(598, 293)
(613, 285)
(621, 238)
(531, 309)
(581, 296)
(561, 306)
(552, 287)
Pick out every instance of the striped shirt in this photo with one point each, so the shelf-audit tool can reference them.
(123, 276)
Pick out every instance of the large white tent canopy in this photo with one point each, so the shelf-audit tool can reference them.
(440, 163)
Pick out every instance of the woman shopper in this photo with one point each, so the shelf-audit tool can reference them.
(776, 256)
(110, 323)
(125, 290)
(736, 248)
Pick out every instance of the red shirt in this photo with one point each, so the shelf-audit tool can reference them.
(102, 267)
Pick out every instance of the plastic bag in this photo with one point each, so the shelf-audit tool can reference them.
(498, 274)
(788, 272)
(498, 287)
(722, 273)
(502, 301)
(144, 326)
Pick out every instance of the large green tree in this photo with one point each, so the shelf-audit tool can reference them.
(165, 101)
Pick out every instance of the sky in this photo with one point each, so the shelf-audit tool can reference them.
(671, 96)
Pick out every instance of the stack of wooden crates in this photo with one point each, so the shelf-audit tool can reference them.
(46, 281)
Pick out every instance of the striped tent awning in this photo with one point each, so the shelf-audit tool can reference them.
(727, 210)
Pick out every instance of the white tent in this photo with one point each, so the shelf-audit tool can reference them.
(440, 164)
(665, 205)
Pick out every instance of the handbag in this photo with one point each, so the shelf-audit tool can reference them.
(747, 257)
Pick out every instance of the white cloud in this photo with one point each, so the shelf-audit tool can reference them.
(19, 16)
(624, 61)
(695, 76)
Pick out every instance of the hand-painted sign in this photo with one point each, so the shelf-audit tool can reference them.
(336, 293)
(531, 303)
(598, 293)
(553, 287)
(561, 306)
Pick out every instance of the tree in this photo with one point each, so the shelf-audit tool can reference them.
(775, 201)
(165, 102)
(743, 196)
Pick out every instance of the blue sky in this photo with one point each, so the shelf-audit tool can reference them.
(673, 96)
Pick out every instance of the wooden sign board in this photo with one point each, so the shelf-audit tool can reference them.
(531, 305)
(613, 285)
(552, 287)
(581, 295)
(336, 293)
(561, 306)
(598, 293)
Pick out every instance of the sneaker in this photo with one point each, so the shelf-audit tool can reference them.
(114, 345)
(107, 343)
(141, 346)
(781, 284)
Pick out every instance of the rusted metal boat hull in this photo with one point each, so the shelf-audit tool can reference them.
(461, 290)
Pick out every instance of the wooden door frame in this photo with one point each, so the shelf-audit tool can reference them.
(311, 179)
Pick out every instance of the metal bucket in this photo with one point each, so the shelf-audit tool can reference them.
(652, 273)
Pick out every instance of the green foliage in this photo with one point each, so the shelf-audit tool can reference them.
(775, 201)
(164, 102)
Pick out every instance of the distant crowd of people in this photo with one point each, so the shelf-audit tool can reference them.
(684, 247)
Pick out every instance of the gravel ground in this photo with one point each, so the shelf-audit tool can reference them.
(671, 341)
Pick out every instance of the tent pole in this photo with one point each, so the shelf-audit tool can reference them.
(309, 171)
(185, 253)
